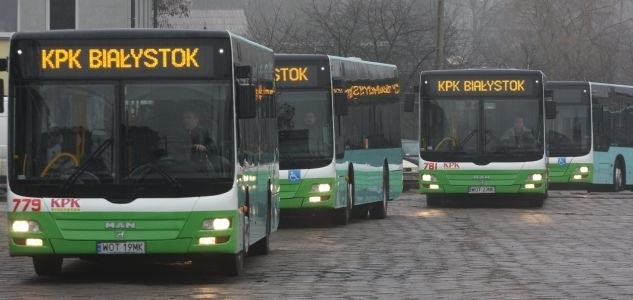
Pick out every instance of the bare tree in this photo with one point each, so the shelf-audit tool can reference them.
(170, 8)
(273, 23)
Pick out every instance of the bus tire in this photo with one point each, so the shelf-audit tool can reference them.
(618, 178)
(47, 265)
(433, 200)
(537, 202)
(232, 264)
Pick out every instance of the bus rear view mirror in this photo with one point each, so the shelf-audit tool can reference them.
(243, 72)
(549, 94)
(246, 107)
(550, 109)
(4, 64)
(340, 104)
(409, 102)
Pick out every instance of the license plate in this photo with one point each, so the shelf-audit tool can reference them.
(121, 248)
(481, 189)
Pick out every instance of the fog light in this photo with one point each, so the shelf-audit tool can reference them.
(207, 241)
(314, 199)
(25, 226)
(434, 186)
(577, 176)
(427, 177)
(529, 186)
(584, 169)
(537, 177)
(34, 242)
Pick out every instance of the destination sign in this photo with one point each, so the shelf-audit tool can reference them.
(296, 76)
(487, 86)
(104, 58)
(124, 58)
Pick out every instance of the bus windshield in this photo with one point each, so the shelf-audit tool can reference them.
(305, 128)
(488, 129)
(167, 137)
(569, 134)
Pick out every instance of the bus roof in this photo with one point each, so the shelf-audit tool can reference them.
(481, 71)
(324, 57)
(120, 34)
(587, 83)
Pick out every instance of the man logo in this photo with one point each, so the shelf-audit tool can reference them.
(119, 234)
(119, 225)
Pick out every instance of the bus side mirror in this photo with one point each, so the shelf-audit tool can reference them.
(340, 104)
(550, 109)
(246, 107)
(243, 72)
(409, 102)
(4, 64)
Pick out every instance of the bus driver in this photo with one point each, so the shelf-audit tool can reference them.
(518, 136)
(201, 143)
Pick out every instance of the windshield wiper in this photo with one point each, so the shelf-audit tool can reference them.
(75, 175)
(166, 175)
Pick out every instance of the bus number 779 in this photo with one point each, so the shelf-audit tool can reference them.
(27, 204)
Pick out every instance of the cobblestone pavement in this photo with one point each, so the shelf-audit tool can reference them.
(578, 245)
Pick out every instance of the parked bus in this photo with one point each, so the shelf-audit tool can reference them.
(339, 136)
(589, 142)
(142, 143)
(482, 133)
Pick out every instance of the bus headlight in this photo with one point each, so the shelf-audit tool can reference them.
(537, 177)
(529, 186)
(321, 188)
(216, 224)
(434, 186)
(25, 226)
(428, 177)
(583, 169)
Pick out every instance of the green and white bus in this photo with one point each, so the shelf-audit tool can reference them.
(339, 136)
(589, 142)
(482, 133)
(106, 165)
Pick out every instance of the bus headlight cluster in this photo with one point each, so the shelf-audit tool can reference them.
(434, 186)
(25, 226)
(529, 186)
(583, 169)
(428, 177)
(321, 188)
(537, 177)
(216, 224)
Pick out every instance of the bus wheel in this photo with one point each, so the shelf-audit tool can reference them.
(379, 210)
(433, 200)
(47, 265)
(537, 202)
(232, 264)
(617, 177)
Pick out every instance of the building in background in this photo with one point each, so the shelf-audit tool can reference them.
(41, 15)
(213, 15)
